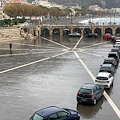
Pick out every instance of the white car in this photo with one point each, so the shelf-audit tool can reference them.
(117, 43)
(105, 79)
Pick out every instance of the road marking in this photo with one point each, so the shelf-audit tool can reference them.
(93, 45)
(117, 111)
(33, 62)
(55, 43)
(78, 42)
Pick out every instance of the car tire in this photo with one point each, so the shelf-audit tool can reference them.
(95, 101)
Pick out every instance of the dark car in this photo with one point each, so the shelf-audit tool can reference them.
(75, 34)
(55, 113)
(114, 55)
(89, 93)
(92, 35)
(110, 60)
(116, 50)
(107, 68)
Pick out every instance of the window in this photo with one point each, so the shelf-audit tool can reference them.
(53, 117)
(98, 87)
(86, 91)
(37, 117)
(94, 89)
(62, 114)
(102, 78)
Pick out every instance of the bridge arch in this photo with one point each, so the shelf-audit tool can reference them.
(45, 31)
(56, 31)
(66, 31)
(87, 30)
(108, 30)
(77, 30)
(97, 30)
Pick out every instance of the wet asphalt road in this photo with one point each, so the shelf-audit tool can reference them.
(42, 73)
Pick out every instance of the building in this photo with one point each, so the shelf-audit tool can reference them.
(94, 8)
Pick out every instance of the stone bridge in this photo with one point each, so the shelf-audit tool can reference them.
(42, 30)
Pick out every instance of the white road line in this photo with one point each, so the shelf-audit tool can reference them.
(92, 54)
(94, 45)
(32, 62)
(117, 111)
(55, 43)
(78, 42)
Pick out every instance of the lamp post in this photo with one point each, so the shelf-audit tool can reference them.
(71, 18)
(114, 17)
(38, 34)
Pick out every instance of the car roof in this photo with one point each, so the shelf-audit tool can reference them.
(112, 52)
(110, 58)
(106, 65)
(48, 111)
(88, 85)
(103, 74)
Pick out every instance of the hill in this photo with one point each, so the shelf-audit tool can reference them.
(86, 3)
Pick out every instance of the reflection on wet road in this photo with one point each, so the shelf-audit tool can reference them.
(49, 72)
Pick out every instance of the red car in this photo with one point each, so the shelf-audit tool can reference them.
(107, 36)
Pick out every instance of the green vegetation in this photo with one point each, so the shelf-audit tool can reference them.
(9, 22)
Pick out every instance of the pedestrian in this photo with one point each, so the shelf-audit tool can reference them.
(10, 45)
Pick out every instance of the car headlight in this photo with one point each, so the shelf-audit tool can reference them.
(78, 114)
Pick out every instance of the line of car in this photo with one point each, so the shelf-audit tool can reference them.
(89, 92)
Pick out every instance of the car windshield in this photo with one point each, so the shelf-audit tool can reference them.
(86, 91)
(105, 68)
(37, 117)
(102, 78)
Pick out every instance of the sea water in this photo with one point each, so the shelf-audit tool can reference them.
(100, 21)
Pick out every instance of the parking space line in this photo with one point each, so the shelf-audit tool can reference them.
(94, 45)
(32, 62)
(56, 43)
(115, 108)
(78, 42)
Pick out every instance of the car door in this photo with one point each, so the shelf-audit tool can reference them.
(98, 91)
(64, 116)
(110, 78)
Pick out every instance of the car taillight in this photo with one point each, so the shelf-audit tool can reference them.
(104, 62)
(78, 93)
(108, 81)
(100, 70)
(112, 62)
(95, 80)
(91, 95)
(110, 70)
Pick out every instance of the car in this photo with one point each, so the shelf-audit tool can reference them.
(55, 113)
(104, 78)
(116, 38)
(113, 38)
(107, 68)
(110, 60)
(75, 34)
(114, 55)
(107, 36)
(91, 35)
(89, 93)
(117, 43)
(116, 46)
(115, 49)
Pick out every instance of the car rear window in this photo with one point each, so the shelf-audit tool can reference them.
(86, 91)
(105, 68)
(108, 61)
(102, 78)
